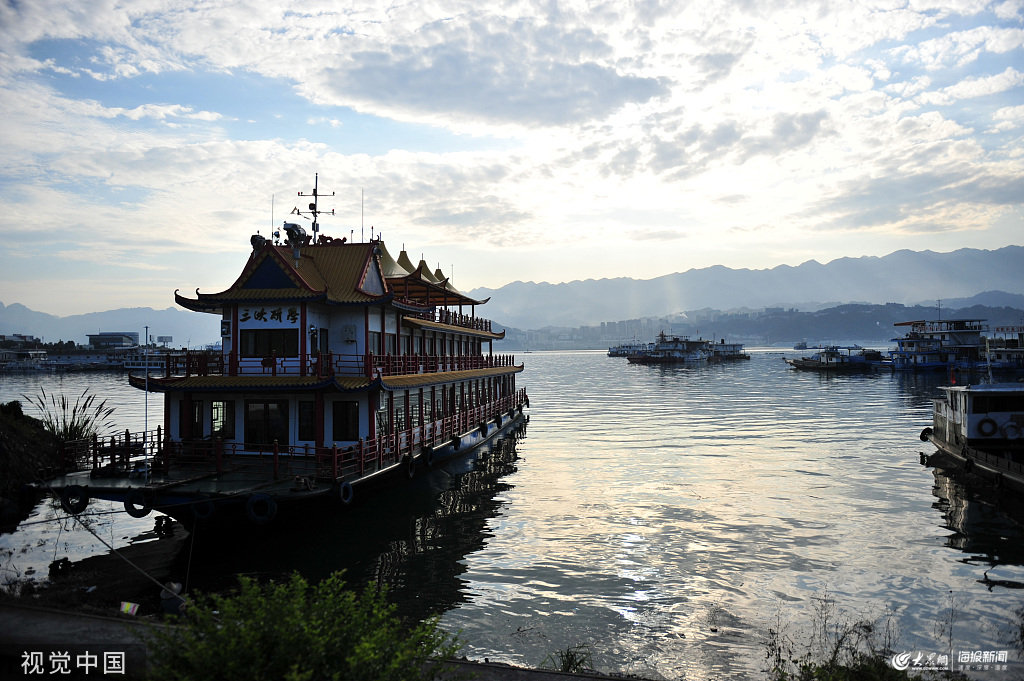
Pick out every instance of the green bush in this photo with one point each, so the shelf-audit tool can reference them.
(298, 632)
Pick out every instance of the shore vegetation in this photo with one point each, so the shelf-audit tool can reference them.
(298, 632)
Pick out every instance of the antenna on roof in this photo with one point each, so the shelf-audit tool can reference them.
(313, 209)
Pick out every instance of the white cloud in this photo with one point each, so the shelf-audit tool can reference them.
(678, 124)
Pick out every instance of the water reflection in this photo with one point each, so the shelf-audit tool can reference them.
(412, 538)
(989, 529)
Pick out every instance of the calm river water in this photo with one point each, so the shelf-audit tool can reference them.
(666, 517)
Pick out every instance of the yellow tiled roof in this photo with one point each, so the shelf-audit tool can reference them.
(438, 326)
(256, 382)
(420, 380)
(337, 272)
(248, 382)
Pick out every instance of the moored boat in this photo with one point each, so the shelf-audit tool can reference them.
(839, 358)
(979, 429)
(627, 349)
(726, 352)
(939, 345)
(672, 350)
(341, 368)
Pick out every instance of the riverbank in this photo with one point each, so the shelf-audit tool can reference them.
(25, 448)
(26, 629)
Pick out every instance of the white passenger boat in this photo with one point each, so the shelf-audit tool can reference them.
(672, 350)
(979, 429)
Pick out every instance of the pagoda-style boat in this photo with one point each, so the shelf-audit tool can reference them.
(980, 429)
(341, 367)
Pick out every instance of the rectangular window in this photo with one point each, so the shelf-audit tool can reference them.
(324, 337)
(985, 404)
(417, 345)
(390, 344)
(382, 415)
(414, 411)
(264, 342)
(406, 345)
(266, 421)
(190, 419)
(197, 418)
(374, 342)
(400, 423)
(223, 419)
(307, 420)
(346, 421)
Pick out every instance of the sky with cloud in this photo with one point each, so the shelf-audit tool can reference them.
(144, 141)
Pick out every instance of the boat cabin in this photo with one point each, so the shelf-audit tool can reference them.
(334, 351)
(989, 417)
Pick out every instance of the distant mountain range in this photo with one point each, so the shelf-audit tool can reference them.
(189, 329)
(907, 277)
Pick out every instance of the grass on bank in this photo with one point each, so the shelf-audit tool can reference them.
(840, 650)
(297, 632)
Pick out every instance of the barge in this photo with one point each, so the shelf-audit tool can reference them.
(341, 368)
(836, 358)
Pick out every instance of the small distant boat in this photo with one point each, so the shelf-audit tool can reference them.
(627, 349)
(26, 361)
(149, 360)
(980, 429)
(800, 346)
(837, 358)
(672, 350)
(726, 352)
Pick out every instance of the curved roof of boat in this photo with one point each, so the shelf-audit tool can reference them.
(331, 272)
(426, 288)
(335, 273)
(388, 266)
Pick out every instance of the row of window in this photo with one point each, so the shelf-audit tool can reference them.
(285, 343)
(267, 420)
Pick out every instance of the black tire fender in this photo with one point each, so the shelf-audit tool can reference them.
(261, 508)
(74, 499)
(346, 493)
(138, 504)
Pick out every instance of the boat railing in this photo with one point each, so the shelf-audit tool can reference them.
(397, 365)
(117, 452)
(326, 365)
(123, 453)
(451, 318)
